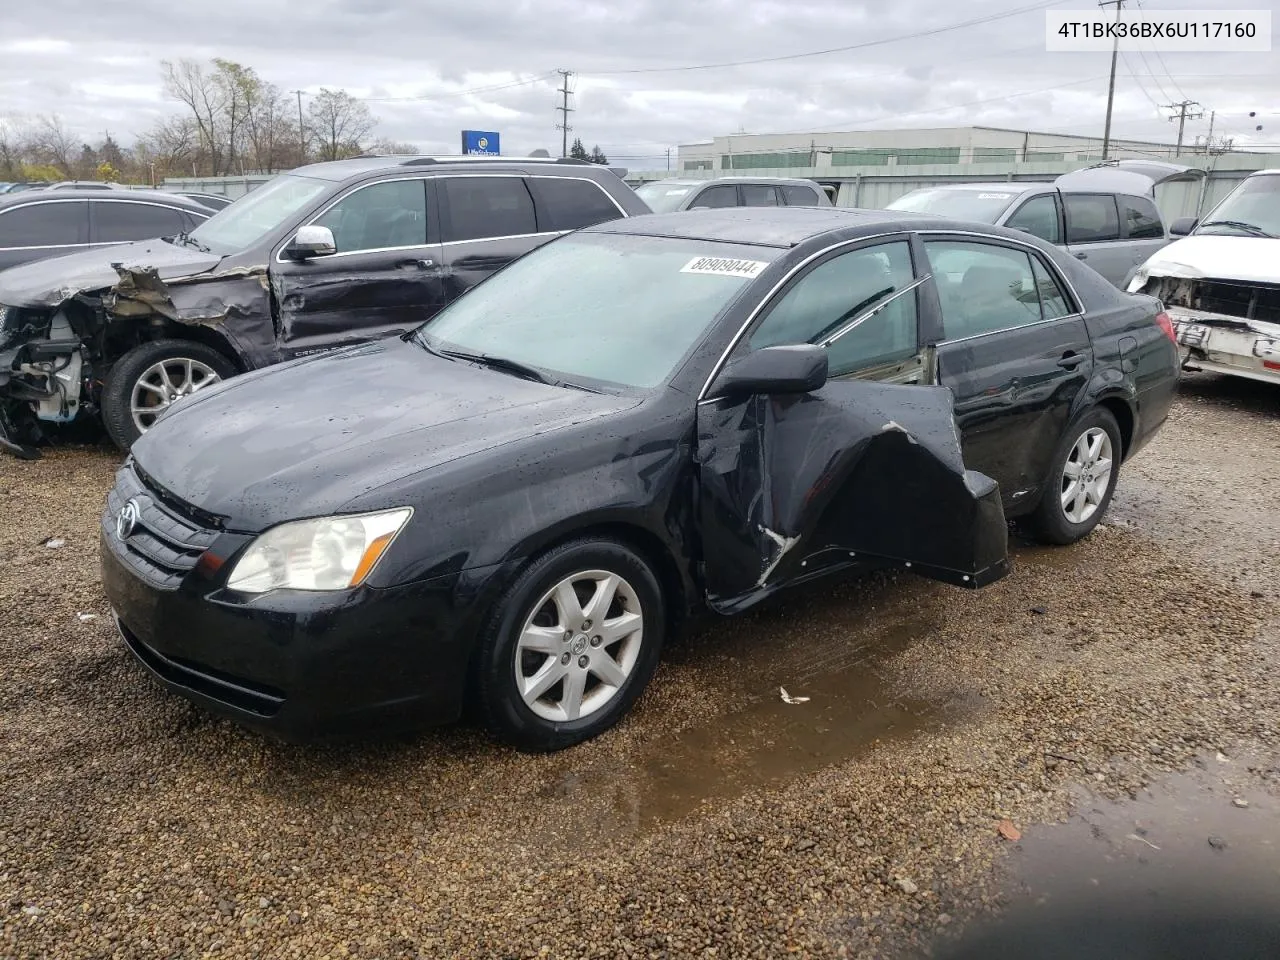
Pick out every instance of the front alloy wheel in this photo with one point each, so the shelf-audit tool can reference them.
(572, 644)
(165, 382)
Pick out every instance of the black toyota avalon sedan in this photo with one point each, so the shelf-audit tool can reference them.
(515, 505)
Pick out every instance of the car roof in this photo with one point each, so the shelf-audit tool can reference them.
(339, 170)
(997, 186)
(37, 196)
(781, 226)
(694, 181)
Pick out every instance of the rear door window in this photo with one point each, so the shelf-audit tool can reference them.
(983, 287)
(481, 208)
(569, 204)
(119, 221)
(1091, 218)
(759, 195)
(57, 224)
(724, 195)
(1140, 218)
(799, 196)
(1038, 217)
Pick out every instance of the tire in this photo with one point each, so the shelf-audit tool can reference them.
(545, 721)
(181, 357)
(1052, 522)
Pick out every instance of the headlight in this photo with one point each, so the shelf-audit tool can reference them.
(331, 553)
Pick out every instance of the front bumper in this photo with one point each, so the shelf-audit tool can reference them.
(1223, 345)
(300, 666)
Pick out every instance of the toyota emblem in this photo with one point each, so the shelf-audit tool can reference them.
(128, 519)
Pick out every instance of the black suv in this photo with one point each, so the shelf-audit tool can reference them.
(323, 256)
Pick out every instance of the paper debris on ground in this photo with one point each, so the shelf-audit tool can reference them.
(788, 698)
(1009, 831)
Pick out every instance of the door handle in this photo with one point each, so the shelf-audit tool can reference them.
(1070, 360)
(420, 264)
(1082, 256)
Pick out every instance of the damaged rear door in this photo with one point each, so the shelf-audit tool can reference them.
(856, 471)
(800, 476)
(385, 277)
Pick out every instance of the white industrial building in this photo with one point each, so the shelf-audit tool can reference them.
(941, 146)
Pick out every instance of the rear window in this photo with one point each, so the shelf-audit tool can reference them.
(979, 205)
(484, 207)
(1141, 219)
(118, 221)
(799, 196)
(565, 203)
(664, 197)
(1091, 218)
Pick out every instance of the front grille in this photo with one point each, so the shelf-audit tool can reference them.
(1248, 301)
(165, 544)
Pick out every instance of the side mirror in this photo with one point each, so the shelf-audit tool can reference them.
(1183, 226)
(311, 241)
(801, 368)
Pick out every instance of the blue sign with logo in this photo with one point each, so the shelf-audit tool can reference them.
(481, 142)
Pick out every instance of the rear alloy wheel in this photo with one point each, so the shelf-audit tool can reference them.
(150, 378)
(1086, 468)
(575, 642)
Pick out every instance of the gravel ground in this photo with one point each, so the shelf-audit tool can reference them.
(717, 820)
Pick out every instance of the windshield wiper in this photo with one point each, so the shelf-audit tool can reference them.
(1250, 228)
(502, 363)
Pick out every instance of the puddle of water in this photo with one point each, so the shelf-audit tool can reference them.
(768, 743)
(1206, 831)
(1188, 871)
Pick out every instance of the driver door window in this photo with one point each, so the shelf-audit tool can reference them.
(379, 217)
(838, 291)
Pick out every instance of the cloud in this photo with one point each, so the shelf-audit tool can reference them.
(98, 68)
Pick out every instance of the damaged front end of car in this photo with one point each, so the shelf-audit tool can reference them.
(1223, 325)
(57, 348)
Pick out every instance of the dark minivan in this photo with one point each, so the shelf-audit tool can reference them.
(324, 256)
(516, 504)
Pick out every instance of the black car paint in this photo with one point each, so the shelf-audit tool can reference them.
(498, 469)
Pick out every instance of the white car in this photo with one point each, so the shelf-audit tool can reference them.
(1220, 283)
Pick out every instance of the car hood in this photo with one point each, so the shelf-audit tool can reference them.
(1247, 259)
(307, 438)
(47, 283)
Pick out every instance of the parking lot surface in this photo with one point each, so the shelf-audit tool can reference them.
(717, 820)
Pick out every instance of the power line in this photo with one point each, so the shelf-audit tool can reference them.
(1136, 79)
(463, 93)
(819, 53)
(1156, 50)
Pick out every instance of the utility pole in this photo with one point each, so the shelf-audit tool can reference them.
(1209, 139)
(1111, 84)
(302, 132)
(668, 159)
(565, 110)
(1182, 116)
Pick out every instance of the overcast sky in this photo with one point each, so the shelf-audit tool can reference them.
(96, 65)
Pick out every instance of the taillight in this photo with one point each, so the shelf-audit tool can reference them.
(1166, 324)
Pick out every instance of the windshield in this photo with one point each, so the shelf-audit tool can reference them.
(599, 308)
(258, 214)
(663, 196)
(982, 206)
(1254, 204)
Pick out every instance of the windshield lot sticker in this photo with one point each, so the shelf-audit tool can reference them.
(722, 267)
(994, 196)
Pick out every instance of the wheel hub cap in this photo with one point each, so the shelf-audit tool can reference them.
(579, 645)
(1086, 476)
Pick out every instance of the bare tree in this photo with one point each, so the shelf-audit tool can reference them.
(56, 145)
(168, 149)
(338, 123)
(392, 148)
(187, 82)
(16, 139)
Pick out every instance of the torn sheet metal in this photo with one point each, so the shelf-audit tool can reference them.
(856, 471)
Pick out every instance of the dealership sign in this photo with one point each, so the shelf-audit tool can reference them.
(481, 142)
